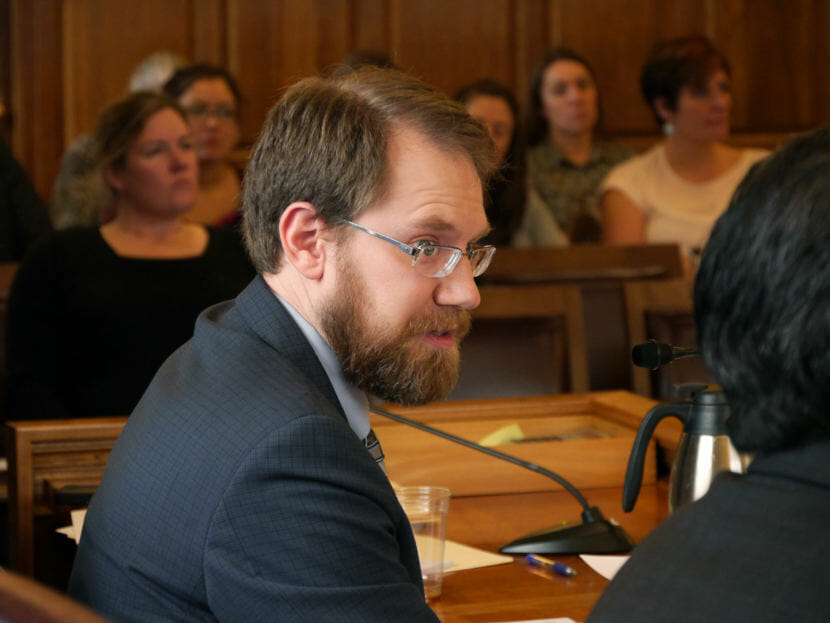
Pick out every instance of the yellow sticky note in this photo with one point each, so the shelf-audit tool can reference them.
(506, 434)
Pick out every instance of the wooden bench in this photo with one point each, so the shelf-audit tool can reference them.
(43, 457)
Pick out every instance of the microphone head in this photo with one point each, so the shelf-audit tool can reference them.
(651, 354)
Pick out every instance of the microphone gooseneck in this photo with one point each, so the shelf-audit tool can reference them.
(499, 455)
(653, 354)
(595, 535)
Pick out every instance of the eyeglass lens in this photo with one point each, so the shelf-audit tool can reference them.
(437, 261)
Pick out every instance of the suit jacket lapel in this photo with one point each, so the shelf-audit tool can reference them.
(268, 319)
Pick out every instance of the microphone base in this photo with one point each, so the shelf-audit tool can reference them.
(596, 535)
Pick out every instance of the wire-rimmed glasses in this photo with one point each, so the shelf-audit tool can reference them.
(437, 260)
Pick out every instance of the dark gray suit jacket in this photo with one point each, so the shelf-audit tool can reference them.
(754, 548)
(238, 492)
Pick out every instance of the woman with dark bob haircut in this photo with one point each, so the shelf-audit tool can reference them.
(762, 309)
(566, 159)
(94, 311)
(674, 192)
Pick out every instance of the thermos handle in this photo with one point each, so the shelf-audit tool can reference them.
(634, 473)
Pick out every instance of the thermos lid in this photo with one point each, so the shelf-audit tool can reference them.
(709, 412)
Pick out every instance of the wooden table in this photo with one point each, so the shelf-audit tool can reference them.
(514, 591)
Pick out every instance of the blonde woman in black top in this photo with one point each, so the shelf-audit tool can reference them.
(95, 311)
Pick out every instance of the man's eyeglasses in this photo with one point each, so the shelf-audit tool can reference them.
(202, 111)
(436, 260)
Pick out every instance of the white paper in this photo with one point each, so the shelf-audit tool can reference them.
(606, 566)
(466, 557)
(74, 531)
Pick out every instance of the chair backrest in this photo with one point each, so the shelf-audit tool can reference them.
(525, 340)
(600, 270)
(22, 600)
(663, 310)
(43, 457)
(584, 264)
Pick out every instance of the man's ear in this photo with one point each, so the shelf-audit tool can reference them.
(302, 233)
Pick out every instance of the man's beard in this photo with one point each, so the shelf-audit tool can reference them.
(397, 367)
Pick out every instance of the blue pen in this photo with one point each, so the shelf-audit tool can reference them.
(557, 567)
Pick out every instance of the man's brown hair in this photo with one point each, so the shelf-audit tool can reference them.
(325, 142)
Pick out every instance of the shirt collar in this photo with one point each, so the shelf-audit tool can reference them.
(355, 403)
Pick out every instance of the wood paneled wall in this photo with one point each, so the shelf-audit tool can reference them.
(68, 58)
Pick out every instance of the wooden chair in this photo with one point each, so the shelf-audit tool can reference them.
(662, 310)
(525, 340)
(600, 271)
(45, 456)
(22, 600)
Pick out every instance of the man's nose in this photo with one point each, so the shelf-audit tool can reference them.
(458, 289)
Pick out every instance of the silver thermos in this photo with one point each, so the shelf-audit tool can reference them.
(703, 452)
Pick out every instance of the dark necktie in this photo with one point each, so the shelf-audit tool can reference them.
(373, 446)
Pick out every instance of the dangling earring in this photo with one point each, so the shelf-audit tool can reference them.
(668, 128)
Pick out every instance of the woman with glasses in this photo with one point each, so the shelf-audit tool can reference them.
(94, 311)
(210, 97)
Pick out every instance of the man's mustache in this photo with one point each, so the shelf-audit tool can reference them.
(458, 322)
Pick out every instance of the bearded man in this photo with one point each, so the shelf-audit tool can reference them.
(247, 484)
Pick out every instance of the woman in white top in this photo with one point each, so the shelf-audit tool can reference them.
(675, 191)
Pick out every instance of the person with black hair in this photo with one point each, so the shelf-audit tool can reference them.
(755, 547)
(492, 103)
(210, 97)
(566, 159)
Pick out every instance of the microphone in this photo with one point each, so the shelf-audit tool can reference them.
(595, 535)
(653, 354)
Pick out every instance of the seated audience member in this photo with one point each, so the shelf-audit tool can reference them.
(565, 159)
(94, 311)
(80, 196)
(755, 547)
(23, 217)
(210, 97)
(264, 496)
(676, 190)
(494, 106)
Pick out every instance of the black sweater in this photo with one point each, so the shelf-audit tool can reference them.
(87, 329)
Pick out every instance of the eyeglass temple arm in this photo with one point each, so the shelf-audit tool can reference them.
(403, 247)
